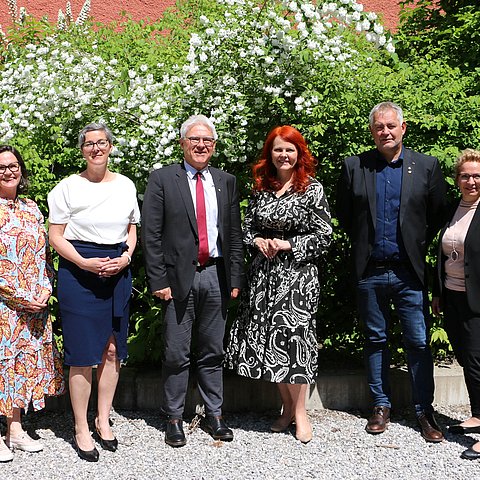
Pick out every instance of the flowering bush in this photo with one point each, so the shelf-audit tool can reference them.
(249, 67)
(320, 67)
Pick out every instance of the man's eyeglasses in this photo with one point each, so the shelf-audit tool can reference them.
(101, 144)
(207, 141)
(13, 167)
(465, 177)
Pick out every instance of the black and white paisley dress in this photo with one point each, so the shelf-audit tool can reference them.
(274, 335)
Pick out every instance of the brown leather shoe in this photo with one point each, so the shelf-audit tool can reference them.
(431, 432)
(379, 420)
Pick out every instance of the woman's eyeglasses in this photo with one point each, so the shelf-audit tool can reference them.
(13, 167)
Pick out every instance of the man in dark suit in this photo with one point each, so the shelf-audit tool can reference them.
(389, 201)
(192, 240)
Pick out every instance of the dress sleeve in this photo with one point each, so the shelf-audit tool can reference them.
(314, 242)
(250, 229)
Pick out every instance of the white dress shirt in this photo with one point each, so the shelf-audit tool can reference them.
(211, 206)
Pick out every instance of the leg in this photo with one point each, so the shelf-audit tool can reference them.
(303, 429)
(14, 423)
(210, 306)
(288, 410)
(107, 378)
(373, 302)
(464, 327)
(16, 437)
(80, 383)
(178, 320)
(411, 302)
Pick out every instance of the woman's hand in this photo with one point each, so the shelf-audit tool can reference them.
(269, 247)
(437, 306)
(38, 303)
(113, 266)
(263, 246)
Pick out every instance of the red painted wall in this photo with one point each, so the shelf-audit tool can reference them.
(107, 10)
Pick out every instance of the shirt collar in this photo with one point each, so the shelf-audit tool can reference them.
(393, 163)
(192, 171)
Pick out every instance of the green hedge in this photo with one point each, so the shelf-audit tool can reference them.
(250, 66)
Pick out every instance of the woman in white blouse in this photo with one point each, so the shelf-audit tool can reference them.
(457, 286)
(93, 217)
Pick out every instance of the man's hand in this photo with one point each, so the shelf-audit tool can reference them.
(164, 294)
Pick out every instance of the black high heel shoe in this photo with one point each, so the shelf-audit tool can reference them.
(110, 445)
(88, 455)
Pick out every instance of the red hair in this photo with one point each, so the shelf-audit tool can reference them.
(265, 173)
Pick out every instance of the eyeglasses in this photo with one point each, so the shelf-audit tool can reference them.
(465, 177)
(13, 167)
(101, 144)
(207, 141)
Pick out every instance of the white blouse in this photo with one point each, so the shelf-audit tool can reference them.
(94, 212)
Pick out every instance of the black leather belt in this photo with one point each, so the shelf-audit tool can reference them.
(386, 264)
(211, 261)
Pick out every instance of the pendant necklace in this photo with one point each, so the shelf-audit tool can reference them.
(454, 253)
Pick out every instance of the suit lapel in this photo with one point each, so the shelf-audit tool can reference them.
(220, 191)
(370, 185)
(408, 174)
(184, 189)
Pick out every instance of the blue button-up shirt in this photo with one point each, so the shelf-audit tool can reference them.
(388, 244)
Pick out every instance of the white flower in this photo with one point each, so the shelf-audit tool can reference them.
(293, 6)
(204, 20)
(389, 47)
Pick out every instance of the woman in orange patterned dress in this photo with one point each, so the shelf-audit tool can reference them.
(30, 367)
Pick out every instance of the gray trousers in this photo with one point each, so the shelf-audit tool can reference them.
(203, 314)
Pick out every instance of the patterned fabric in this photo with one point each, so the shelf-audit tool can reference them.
(30, 366)
(274, 335)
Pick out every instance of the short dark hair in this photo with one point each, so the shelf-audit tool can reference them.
(94, 127)
(23, 185)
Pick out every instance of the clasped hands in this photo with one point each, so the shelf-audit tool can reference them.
(269, 247)
(105, 267)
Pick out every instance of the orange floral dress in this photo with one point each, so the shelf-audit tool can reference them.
(30, 365)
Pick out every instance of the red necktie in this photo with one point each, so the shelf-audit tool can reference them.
(203, 250)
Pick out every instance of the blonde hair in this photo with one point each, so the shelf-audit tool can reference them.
(468, 155)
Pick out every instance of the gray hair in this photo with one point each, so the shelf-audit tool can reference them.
(197, 120)
(382, 108)
(93, 127)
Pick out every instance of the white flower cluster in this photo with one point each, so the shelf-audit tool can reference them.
(251, 67)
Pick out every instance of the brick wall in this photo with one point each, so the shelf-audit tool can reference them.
(107, 10)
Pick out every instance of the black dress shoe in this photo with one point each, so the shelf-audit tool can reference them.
(174, 435)
(217, 428)
(470, 454)
(88, 455)
(459, 430)
(110, 445)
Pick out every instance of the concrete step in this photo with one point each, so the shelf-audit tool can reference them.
(340, 390)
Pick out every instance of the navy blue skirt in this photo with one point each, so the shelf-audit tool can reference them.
(93, 308)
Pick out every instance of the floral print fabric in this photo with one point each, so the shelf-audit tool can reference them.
(30, 365)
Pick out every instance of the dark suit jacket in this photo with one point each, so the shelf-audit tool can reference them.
(421, 202)
(169, 230)
(472, 261)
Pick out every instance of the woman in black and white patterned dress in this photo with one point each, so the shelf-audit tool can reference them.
(286, 228)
